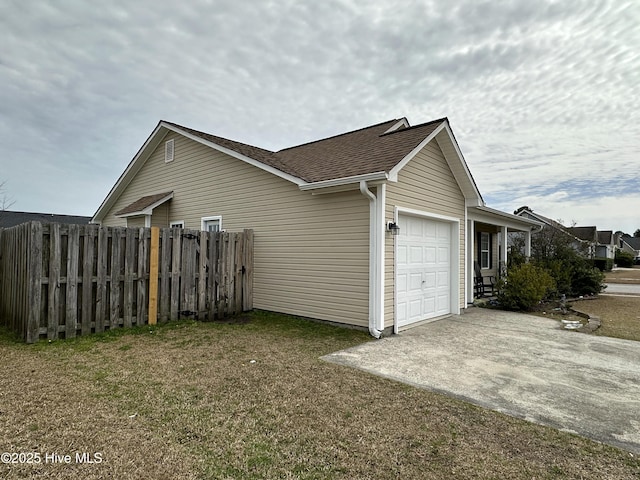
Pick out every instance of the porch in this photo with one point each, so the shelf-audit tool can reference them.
(487, 246)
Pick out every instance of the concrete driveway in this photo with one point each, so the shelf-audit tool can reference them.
(521, 365)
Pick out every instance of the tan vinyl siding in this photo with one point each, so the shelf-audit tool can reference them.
(311, 251)
(135, 222)
(426, 183)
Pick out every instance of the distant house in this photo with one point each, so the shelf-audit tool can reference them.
(583, 239)
(379, 227)
(11, 219)
(607, 244)
(631, 245)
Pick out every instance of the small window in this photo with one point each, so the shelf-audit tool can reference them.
(176, 224)
(211, 224)
(168, 151)
(485, 250)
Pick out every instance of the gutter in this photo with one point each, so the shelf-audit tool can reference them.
(374, 253)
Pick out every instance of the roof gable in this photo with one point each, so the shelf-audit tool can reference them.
(377, 152)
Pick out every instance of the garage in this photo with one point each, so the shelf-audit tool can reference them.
(423, 269)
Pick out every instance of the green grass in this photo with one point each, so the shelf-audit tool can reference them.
(250, 399)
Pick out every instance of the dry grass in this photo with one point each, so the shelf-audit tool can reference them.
(627, 276)
(620, 315)
(253, 400)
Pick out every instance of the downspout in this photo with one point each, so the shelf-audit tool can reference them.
(373, 271)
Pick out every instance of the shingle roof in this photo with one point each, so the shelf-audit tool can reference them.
(367, 150)
(605, 237)
(11, 219)
(633, 242)
(584, 233)
(143, 203)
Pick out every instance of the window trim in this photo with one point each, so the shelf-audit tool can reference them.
(175, 223)
(203, 220)
(169, 151)
(482, 251)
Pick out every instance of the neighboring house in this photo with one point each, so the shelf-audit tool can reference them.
(11, 219)
(325, 216)
(607, 245)
(631, 245)
(583, 239)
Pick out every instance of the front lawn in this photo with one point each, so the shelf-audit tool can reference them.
(626, 275)
(252, 400)
(620, 315)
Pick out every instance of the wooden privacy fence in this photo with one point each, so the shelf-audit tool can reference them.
(59, 281)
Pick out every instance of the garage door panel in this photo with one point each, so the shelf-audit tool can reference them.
(415, 282)
(423, 269)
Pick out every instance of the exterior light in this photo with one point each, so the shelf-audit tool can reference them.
(393, 228)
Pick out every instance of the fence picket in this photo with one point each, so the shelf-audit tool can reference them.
(67, 280)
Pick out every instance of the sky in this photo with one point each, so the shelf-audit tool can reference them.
(542, 96)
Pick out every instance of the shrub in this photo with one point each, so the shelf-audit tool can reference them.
(524, 287)
(624, 259)
(586, 280)
(603, 264)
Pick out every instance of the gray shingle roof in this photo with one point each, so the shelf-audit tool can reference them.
(11, 219)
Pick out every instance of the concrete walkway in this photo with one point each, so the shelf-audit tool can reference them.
(622, 288)
(521, 365)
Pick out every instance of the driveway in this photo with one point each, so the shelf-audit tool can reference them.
(521, 365)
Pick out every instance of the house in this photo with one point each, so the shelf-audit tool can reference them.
(11, 219)
(583, 239)
(606, 244)
(378, 227)
(631, 245)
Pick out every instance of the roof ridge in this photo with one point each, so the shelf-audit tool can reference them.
(413, 127)
(340, 135)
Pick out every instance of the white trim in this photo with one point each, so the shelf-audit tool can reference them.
(454, 286)
(239, 156)
(169, 151)
(454, 143)
(393, 174)
(203, 220)
(176, 222)
(149, 209)
(399, 124)
(123, 181)
(367, 177)
(466, 261)
(497, 217)
(147, 221)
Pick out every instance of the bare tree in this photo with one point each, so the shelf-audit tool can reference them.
(5, 200)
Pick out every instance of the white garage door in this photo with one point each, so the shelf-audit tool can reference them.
(423, 269)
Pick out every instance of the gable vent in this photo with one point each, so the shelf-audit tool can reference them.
(168, 151)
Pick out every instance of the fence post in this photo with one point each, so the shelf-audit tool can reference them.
(153, 275)
(35, 281)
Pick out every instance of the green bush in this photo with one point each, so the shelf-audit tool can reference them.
(603, 264)
(524, 287)
(586, 280)
(624, 259)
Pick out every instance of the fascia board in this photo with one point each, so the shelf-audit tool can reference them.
(496, 217)
(239, 156)
(368, 177)
(467, 173)
(149, 209)
(134, 165)
(393, 174)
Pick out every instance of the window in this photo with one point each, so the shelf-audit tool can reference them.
(168, 151)
(176, 224)
(485, 250)
(211, 224)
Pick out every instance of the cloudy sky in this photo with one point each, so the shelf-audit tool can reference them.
(543, 96)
